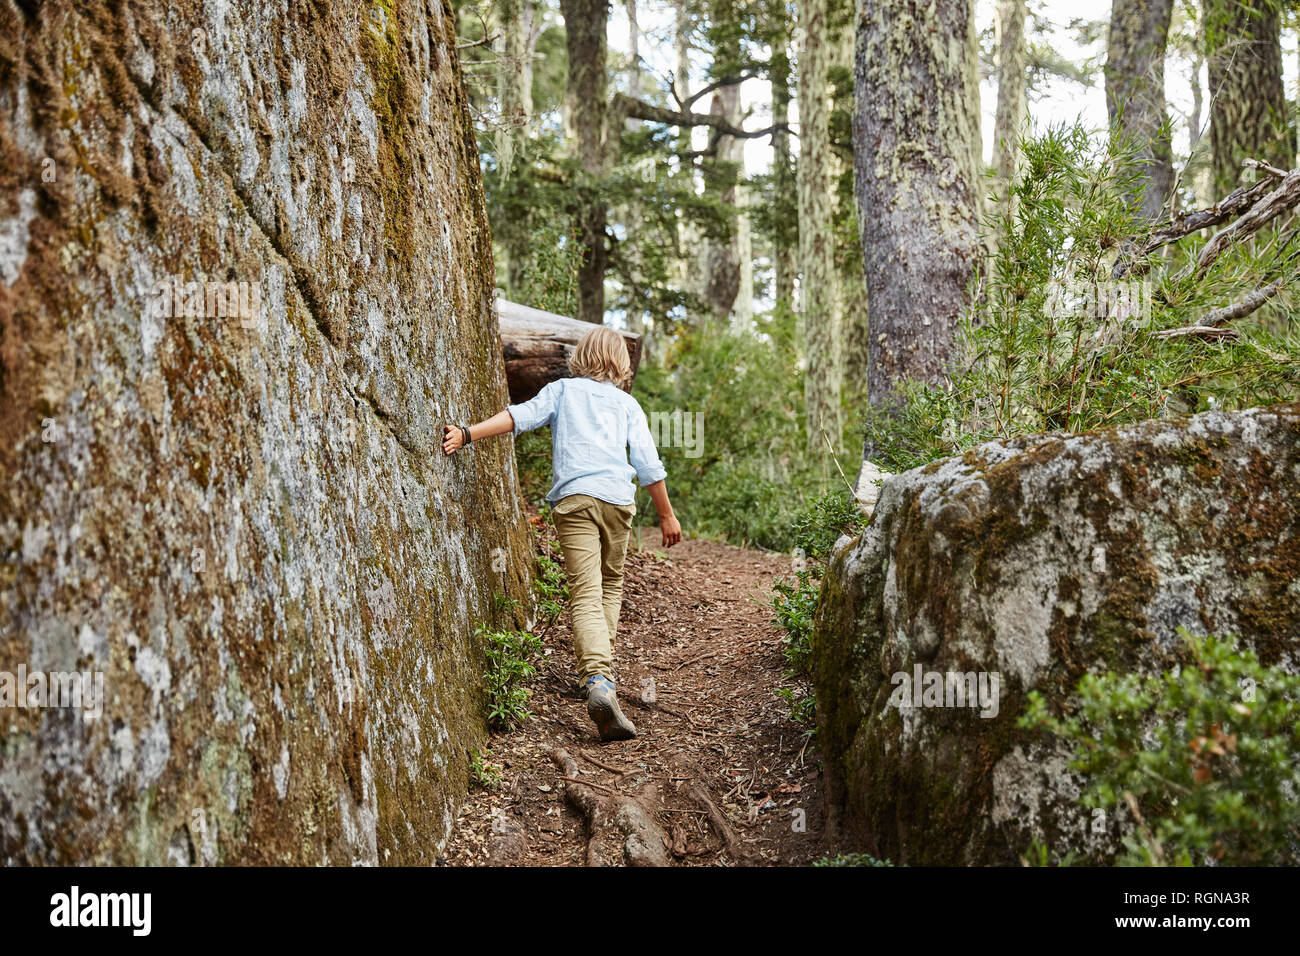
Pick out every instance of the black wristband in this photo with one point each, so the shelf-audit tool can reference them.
(465, 432)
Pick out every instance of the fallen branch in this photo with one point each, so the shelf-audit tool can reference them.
(1211, 325)
(604, 766)
(1235, 203)
(624, 105)
(718, 821)
(1199, 331)
(1284, 197)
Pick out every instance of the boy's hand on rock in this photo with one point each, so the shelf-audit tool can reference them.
(452, 439)
(670, 529)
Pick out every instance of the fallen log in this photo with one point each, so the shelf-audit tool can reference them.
(536, 346)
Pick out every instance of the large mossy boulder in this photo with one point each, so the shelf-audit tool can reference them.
(1025, 564)
(245, 275)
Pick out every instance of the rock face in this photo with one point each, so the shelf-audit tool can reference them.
(1038, 560)
(245, 275)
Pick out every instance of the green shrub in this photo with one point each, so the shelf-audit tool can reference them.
(1203, 760)
(483, 773)
(794, 601)
(1052, 343)
(851, 859)
(814, 530)
(825, 519)
(510, 656)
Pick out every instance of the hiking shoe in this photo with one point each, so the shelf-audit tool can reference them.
(602, 707)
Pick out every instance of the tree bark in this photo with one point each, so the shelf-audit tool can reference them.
(916, 155)
(783, 177)
(519, 32)
(585, 25)
(719, 256)
(851, 288)
(1135, 94)
(536, 346)
(1248, 110)
(821, 327)
(515, 77)
(1013, 106)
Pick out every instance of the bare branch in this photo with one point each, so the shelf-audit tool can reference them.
(718, 84)
(1284, 197)
(1212, 324)
(625, 105)
(1200, 331)
(1234, 204)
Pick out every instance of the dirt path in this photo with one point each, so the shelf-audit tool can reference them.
(699, 664)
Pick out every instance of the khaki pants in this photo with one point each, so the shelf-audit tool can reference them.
(593, 536)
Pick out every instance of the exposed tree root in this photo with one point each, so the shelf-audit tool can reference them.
(718, 821)
(620, 831)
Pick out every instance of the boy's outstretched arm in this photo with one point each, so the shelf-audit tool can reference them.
(453, 438)
(669, 527)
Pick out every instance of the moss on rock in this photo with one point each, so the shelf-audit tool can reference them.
(1041, 559)
(246, 527)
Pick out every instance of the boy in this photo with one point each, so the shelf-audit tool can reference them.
(595, 425)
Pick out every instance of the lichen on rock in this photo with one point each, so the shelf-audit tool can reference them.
(1041, 559)
(246, 277)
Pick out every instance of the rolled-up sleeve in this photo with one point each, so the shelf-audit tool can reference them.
(538, 410)
(641, 450)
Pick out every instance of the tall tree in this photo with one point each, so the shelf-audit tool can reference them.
(520, 28)
(850, 300)
(817, 283)
(1135, 94)
(1013, 108)
(720, 265)
(1248, 111)
(585, 24)
(916, 153)
(784, 229)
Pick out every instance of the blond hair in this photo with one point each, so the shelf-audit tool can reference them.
(602, 355)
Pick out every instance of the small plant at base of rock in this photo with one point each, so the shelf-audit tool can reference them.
(510, 655)
(851, 859)
(484, 774)
(795, 601)
(803, 706)
(1204, 759)
(824, 521)
(1039, 854)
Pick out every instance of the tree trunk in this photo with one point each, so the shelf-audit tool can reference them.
(585, 24)
(536, 346)
(821, 326)
(1248, 111)
(519, 32)
(1135, 94)
(1012, 104)
(515, 77)
(783, 179)
(719, 258)
(851, 288)
(915, 138)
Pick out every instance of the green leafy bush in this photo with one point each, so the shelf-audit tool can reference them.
(1052, 342)
(851, 859)
(510, 656)
(1203, 760)
(484, 774)
(794, 601)
(814, 530)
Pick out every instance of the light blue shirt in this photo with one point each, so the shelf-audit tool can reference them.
(595, 428)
